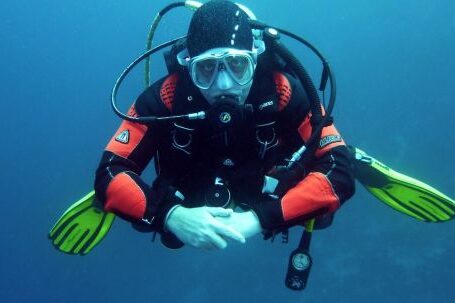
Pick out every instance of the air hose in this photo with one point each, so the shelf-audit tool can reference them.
(193, 5)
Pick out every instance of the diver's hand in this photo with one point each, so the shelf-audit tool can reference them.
(197, 227)
(247, 223)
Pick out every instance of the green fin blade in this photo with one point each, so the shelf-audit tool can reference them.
(81, 227)
(403, 193)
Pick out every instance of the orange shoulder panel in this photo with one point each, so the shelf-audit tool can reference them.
(283, 88)
(330, 137)
(167, 91)
(127, 136)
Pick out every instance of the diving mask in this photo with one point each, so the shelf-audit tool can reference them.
(204, 68)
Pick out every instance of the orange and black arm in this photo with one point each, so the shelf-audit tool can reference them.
(328, 180)
(118, 183)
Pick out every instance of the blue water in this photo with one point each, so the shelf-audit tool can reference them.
(59, 59)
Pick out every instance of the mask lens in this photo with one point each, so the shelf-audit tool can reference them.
(240, 67)
(204, 69)
(204, 72)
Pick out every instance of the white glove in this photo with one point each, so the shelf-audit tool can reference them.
(247, 223)
(197, 227)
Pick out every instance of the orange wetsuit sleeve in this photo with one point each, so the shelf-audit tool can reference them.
(328, 181)
(118, 182)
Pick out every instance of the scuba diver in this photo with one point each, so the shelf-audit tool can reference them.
(241, 145)
(203, 167)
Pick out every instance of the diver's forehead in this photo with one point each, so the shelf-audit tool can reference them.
(219, 51)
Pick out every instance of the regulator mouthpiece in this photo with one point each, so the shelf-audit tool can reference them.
(226, 112)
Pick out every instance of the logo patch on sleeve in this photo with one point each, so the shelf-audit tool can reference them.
(329, 140)
(123, 137)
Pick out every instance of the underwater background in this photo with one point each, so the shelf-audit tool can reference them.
(394, 63)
